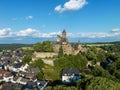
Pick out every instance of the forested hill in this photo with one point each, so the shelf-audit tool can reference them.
(115, 42)
(13, 46)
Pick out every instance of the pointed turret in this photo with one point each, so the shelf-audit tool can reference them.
(64, 34)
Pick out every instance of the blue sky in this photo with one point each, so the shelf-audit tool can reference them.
(28, 21)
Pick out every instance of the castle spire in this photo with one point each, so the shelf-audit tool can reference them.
(78, 41)
(64, 34)
(64, 31)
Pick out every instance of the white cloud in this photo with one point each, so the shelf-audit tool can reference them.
(59, 8)
(94, 35)
(29, 17)
(6, 32)
(116, 30)
(33, 33)
(27, 32)
(71, 5)
(114, 33)
(55, 33)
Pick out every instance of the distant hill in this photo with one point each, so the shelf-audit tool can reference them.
(115, 42)
(13, 46)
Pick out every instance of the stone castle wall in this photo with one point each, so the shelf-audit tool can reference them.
(45, 55)
(56, 47)
(67, 49)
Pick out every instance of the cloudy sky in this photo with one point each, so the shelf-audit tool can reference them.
(30, 21)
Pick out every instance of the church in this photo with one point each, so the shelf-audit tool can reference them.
(68, 48)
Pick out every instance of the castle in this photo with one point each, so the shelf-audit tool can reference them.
(62, 41)
(68, 48)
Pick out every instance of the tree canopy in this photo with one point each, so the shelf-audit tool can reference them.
(71, 61)
(46, 46)
(27, 59)
(60, 53)
(97, 83)
(38, 63)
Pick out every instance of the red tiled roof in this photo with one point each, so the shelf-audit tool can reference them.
(5, 73)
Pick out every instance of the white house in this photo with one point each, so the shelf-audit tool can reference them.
(70, 75)
(24, 67)
(18, 67)
(8, 78)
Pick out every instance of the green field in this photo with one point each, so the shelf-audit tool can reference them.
(97, 44)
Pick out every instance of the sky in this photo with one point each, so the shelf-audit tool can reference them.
(31, 21)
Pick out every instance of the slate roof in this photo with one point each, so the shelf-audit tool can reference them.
(42, 83)
(70, 71)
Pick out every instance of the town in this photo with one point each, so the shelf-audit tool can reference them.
(60, 65)
(59, 44)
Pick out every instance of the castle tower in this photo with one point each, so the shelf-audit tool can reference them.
(64, 34)
(79, 45)
(58, 38)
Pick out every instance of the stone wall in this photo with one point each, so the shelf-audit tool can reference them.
(67, 49)
(56, 47)
(45, 54)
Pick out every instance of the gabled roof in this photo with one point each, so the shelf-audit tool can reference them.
(5, 73)
(70, 71)
(64, 31)
(33, 69)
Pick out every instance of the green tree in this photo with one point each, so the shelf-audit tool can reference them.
(100, 83)
(101, 56)
(29, 52)
(71, 61)
(91, 55)
(117, 74)
(81, 84)
(48, 88)
(40, 75)
(60, 53)
(38, 63)
(99, 71)
(46, 46)
(17, 89)
(38, 47)
(97, 83)
(27, 59)
(114, 68)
